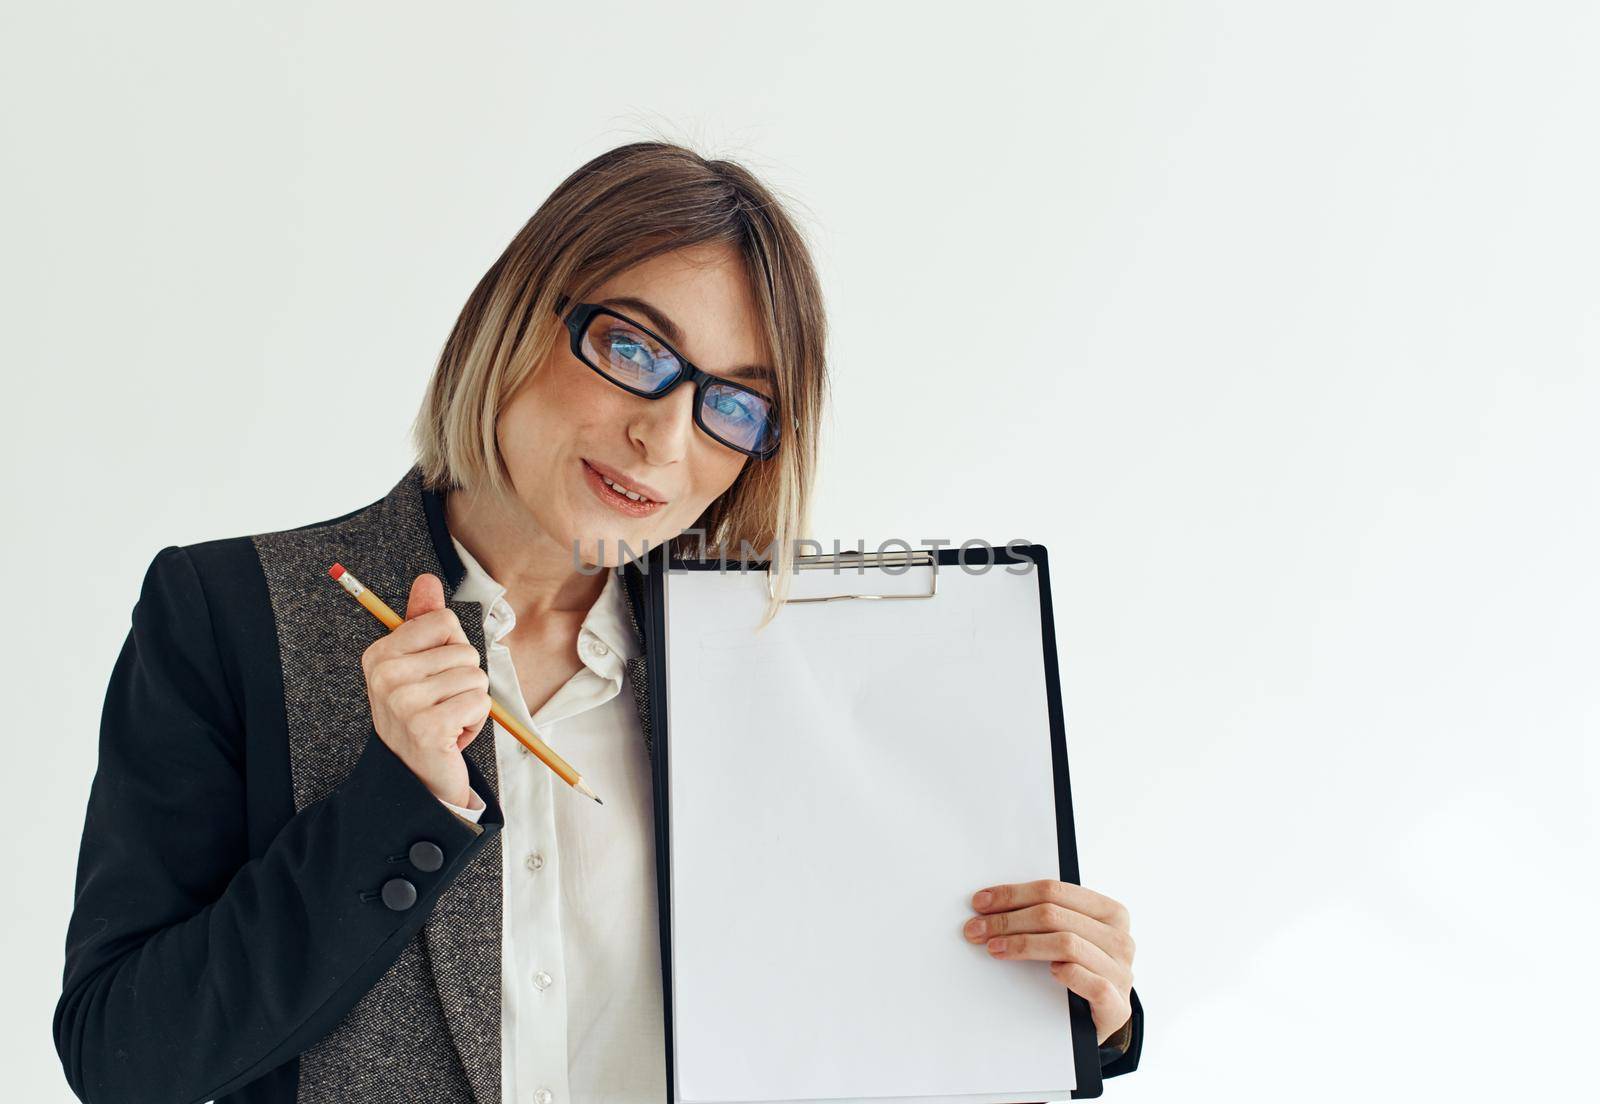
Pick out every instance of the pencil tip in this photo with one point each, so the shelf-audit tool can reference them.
(597, 800)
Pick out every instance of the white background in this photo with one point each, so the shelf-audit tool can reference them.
(1276, 322)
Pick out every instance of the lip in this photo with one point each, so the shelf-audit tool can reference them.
(620, 503)
(627, 481)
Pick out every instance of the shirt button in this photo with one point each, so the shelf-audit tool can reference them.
(596, 648)
(542, 980)
(535, 860)
(543, 1096)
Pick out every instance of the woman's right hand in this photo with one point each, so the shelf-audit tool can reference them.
(428, 695)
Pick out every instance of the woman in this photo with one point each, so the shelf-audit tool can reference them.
(303, 876)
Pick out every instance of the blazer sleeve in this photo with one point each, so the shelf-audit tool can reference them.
(193, 968)
(1113, 1063)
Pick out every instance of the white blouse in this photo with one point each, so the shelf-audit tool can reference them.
(580, 1012)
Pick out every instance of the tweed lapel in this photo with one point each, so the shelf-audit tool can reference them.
(638, 666)
(388, 544)
(457, 956)
(320, 635)
(462, 932)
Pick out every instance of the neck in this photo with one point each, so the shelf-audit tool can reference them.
(538, 572)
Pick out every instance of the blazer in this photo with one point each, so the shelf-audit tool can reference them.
(269, 905)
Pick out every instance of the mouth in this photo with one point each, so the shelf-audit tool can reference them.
(618, 495)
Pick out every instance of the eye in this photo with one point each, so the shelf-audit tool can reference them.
(727, 404)
(625, 345)
(743, 419)
(628, 355)
(735, 404)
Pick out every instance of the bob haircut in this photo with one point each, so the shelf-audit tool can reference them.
(622, 208)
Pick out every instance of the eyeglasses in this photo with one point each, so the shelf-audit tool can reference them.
(640, 362)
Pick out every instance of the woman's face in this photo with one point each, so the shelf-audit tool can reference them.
(566, 424)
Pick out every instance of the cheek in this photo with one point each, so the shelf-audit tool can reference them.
(554, 404)
(717, 474)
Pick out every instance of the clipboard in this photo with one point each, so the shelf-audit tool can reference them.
(850, 585)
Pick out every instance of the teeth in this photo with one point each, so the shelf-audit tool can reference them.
(624, 491)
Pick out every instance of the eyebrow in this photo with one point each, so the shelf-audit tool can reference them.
(669, 329)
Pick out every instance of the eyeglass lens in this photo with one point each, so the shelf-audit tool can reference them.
(629, 356)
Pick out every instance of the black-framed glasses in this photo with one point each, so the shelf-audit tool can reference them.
(641, 362)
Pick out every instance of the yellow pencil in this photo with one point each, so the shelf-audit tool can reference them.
(379, 609)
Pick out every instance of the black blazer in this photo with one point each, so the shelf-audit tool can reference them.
(217, 931)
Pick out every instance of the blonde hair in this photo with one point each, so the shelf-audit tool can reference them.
(623, 207)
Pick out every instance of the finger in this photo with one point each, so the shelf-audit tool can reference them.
(1062, 946)
(427, 595)
(1004, 898)
(1051, 917)
(417, 666)
(1108, 1004)
(452, 716)
(417, 698)
(427, 630)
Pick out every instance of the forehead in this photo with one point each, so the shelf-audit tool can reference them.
(701, 300)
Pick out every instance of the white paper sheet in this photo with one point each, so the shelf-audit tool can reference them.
(840, 784)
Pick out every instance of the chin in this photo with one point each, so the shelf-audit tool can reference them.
(638, 545)
(606, 551)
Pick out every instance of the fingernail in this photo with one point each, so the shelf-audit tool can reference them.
(996, 946)
(975, 926)
(983, 898)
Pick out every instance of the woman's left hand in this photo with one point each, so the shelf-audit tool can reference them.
(1081, 933)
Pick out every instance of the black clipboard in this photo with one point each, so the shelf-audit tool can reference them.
(647, 576)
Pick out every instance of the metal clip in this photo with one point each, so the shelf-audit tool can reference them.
(895, 558)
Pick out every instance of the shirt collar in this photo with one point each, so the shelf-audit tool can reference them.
(476, 584)
(606, 621)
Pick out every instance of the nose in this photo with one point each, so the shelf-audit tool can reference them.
(663, 428)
